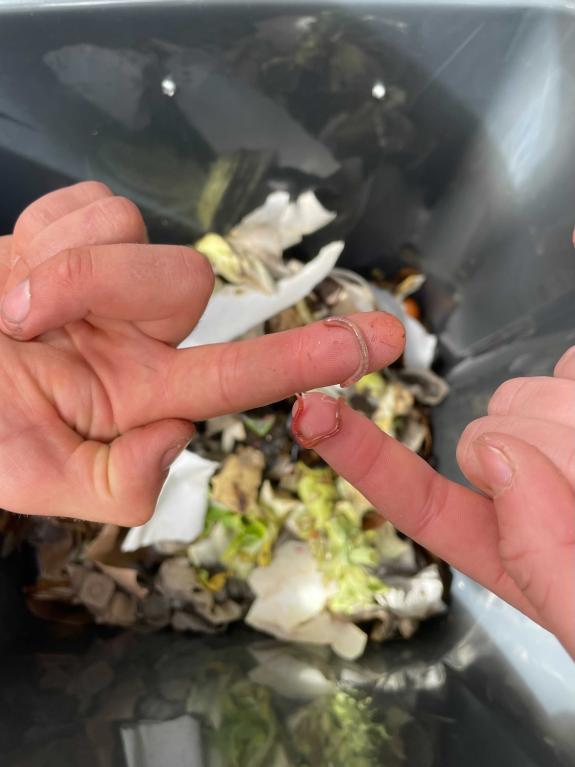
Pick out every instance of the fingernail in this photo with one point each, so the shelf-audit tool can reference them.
(315, 417)
(498, 469)
(16, 303)
(171, 455)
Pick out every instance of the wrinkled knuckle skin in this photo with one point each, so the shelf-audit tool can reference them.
(40, 213)
(29, 220)
(520, 565)
(435, 502)
(371, 459)
(76, 268)
(228, 369)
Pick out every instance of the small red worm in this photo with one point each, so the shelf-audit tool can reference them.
(363, 367)
(308, 442)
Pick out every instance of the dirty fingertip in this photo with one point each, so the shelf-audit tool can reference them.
(388, 330)
(315, 418)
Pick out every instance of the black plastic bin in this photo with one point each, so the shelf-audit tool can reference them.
(456, 156)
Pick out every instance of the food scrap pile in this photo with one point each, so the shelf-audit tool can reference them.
(249, 526)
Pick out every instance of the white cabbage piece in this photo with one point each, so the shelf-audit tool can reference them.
(290, 603)
(289, 591)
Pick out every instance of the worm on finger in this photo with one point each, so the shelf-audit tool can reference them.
(363, 366)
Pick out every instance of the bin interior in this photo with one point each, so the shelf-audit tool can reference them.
(442, 135)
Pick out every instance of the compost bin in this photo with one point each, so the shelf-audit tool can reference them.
(442, 134)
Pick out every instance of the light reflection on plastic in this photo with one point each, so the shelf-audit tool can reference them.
(525, 119)
(168, 86)
(305, 23)
(534, 654)
(379, 90)
(435, 677)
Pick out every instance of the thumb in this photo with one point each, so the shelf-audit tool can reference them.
(535, 510)
(121, 482)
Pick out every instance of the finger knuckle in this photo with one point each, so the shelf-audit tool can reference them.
(369, 459)
(32, 219)
(76, 267)
(436, 499)
(227, 375)
(124, 215)
(514, 395)
(93, 189)
(503, 397)
(518, 563)
(50, 207)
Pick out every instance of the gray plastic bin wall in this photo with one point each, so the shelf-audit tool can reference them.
(443, 135)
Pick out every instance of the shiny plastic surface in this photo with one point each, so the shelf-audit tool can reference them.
(443, 135)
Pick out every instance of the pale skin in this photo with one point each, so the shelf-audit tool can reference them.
(97, 402)
(518, 538)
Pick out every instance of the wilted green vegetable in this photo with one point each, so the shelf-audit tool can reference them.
(340, 731)
(250, 539)
(260, 426)
(248, 727)
(347, 555)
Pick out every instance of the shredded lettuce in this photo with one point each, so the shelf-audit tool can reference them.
(262, 426)
(339, 730)
(250, 539)
(345, 553)
(248, 729)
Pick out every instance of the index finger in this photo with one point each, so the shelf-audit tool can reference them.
(207, 381)
(75, 215)
(5, 258)
(53, 206)
(455, 523)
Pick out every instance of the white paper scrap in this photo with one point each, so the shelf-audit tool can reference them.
(287, 220)
(171, 743)
(420, 345)
(181, 507)
(233, 310)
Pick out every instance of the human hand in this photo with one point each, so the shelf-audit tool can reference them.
(95, 400)
(519, 541)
